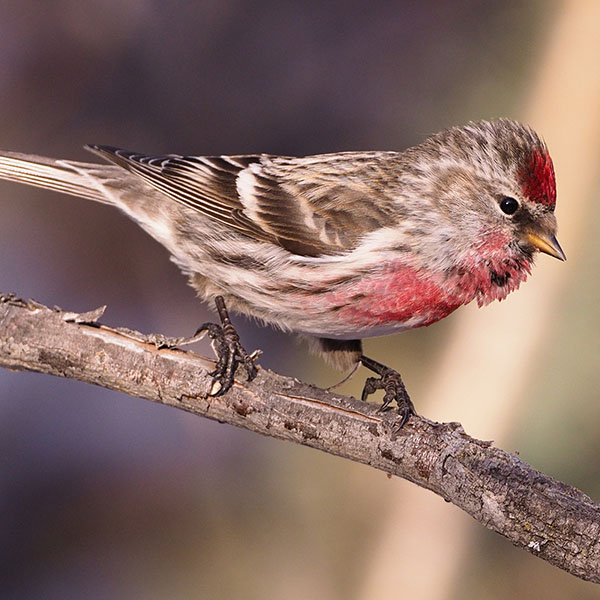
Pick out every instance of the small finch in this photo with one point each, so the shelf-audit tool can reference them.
(337, 247)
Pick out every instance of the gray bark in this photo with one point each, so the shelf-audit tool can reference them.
(552, 520)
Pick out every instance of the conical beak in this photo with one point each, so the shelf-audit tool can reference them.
(547, 244)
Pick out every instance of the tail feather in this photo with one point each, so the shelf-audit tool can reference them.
(68, 177)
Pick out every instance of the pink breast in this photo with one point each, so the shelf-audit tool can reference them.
(398, 295)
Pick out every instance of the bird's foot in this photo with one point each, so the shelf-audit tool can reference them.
(391, 383)
(225, 341)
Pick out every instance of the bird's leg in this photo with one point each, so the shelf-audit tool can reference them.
(225, 341)
(391, 383)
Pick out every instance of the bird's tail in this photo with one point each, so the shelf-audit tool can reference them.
(66, 176)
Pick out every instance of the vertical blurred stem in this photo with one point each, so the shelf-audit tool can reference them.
(485, 368)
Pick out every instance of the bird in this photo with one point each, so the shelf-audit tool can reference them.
(335, 247)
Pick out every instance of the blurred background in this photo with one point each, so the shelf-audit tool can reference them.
(107, 496)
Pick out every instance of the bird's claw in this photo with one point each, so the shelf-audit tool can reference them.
(391, 383)
(225, 341)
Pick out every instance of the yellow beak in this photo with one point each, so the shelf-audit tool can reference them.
(547, 244)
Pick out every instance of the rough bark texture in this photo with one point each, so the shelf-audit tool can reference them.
(552, 520)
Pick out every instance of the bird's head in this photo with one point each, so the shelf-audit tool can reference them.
(496, 182)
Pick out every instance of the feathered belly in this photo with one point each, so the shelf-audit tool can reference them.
(388, 299)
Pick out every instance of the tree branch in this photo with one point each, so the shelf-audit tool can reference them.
(552, 520)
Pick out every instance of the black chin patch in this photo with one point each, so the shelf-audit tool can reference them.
(499, 280)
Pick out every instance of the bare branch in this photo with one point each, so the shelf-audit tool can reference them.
(554, 521)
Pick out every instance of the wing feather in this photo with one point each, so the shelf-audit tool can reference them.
(310, 206)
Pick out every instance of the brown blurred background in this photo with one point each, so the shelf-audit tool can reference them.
(106, 496)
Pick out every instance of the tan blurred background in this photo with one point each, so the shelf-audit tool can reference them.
(106, 496)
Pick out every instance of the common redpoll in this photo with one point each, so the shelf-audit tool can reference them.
(335, 246)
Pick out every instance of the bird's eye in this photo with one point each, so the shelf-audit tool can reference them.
(509, 205)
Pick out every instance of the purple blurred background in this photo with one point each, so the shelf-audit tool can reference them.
(106, 496)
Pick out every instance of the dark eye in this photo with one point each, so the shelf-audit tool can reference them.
(509, 205)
